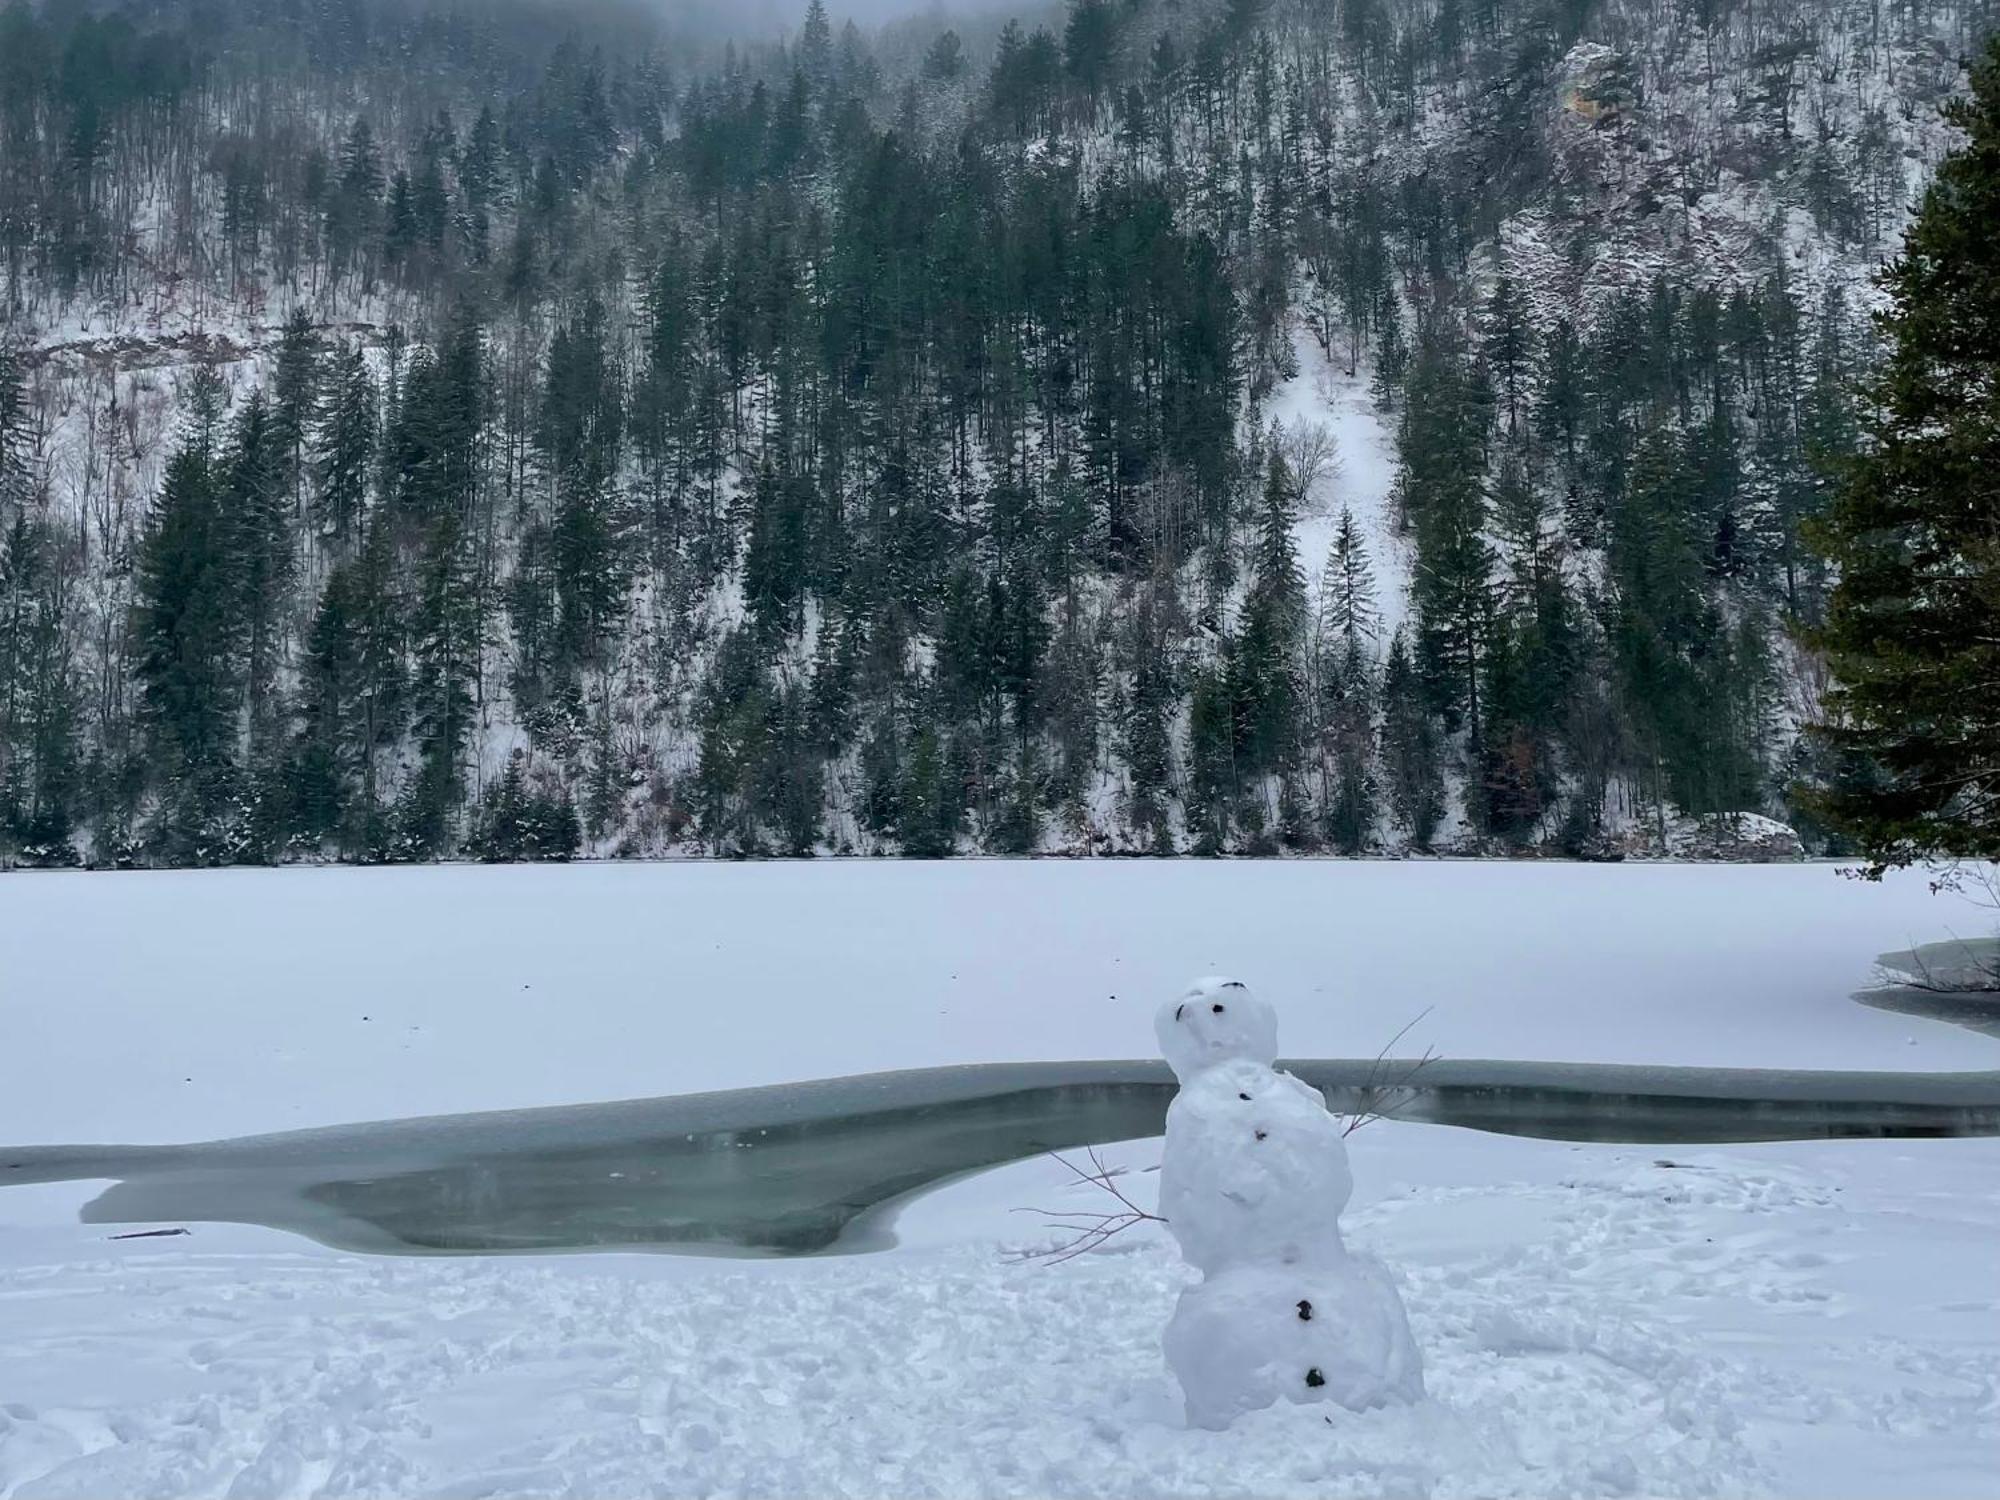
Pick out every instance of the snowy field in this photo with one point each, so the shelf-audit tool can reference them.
(1807, 1318)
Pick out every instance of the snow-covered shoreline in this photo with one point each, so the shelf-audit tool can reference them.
(1798, 1318)
(1801, 1319)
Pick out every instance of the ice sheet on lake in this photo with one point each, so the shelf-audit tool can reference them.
(809, 1167)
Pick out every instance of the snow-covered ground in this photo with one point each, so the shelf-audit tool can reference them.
(1800, 1318)
(1359, 476)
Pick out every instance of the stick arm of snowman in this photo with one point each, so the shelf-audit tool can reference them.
(1374, 1088)
(1089, 1229)
(1378, 1098)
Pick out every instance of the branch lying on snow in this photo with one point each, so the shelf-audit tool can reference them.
(1980, 976)
(1376, 1089)
(1087, 1230)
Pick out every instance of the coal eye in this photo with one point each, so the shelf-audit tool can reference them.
(1178, 1009)
(1216, 1008)
(1314, 1378)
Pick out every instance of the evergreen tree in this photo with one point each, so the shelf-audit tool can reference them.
(350, 705)
(294, 400)
(1412, 764)
(17, 456)
(40, 725)
(1348, 606)
(1507, 345)
(187, 630)
(479, 168)
(1441, 441)
(816, 46)
(357, 200)
(1212, 780)
(1350, 799)
(1913, 625)
(1265, 662)
(261, 560)
(344, 452)
(445, 641)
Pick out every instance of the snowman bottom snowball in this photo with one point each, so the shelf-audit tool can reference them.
(1335, 1332)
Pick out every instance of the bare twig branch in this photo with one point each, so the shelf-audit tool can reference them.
(1374, 1089)
(1980, 976)
(1087, 1230)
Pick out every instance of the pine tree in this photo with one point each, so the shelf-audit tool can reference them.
(17, 457)
(357, 200)
(1212, 781)
(1350, 802)
(816, 46)
(1507, 344)
(400, 231)
(350, 704)
(294, 399)
(1265, 662)
(1441, 441)
(1560, 403)
(187, 628)
(1348, 606)
(1412, 763)
(1913, 626)
(262, 562)
(40, 728)
(344, 440)
(479, 166)
(445, 641)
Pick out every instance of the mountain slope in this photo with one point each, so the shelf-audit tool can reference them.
(436, 431)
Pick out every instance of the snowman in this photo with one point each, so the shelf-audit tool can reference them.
(1252, 1183)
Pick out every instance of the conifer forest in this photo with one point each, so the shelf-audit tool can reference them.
(534, 429)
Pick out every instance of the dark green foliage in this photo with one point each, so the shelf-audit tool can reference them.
(809, 448)
(1412, 765)
(40, 724)
(189, 633)
(520, 821)
(1265, 662)
(1913, 626)
(1441, 442)
(351, 706)
(344, 448)
(1349, 608)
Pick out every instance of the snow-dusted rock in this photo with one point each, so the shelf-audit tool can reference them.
(1738, 838)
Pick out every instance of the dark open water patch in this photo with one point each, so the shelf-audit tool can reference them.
(1956, 981)
(814, 1167)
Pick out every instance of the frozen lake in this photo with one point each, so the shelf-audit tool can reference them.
(233, 1003)
(1804, 1316)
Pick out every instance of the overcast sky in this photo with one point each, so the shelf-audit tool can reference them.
(776, 17)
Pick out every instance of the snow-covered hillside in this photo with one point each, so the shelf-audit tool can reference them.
(857, 444)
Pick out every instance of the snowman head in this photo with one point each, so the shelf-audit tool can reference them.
(1216, 1021)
